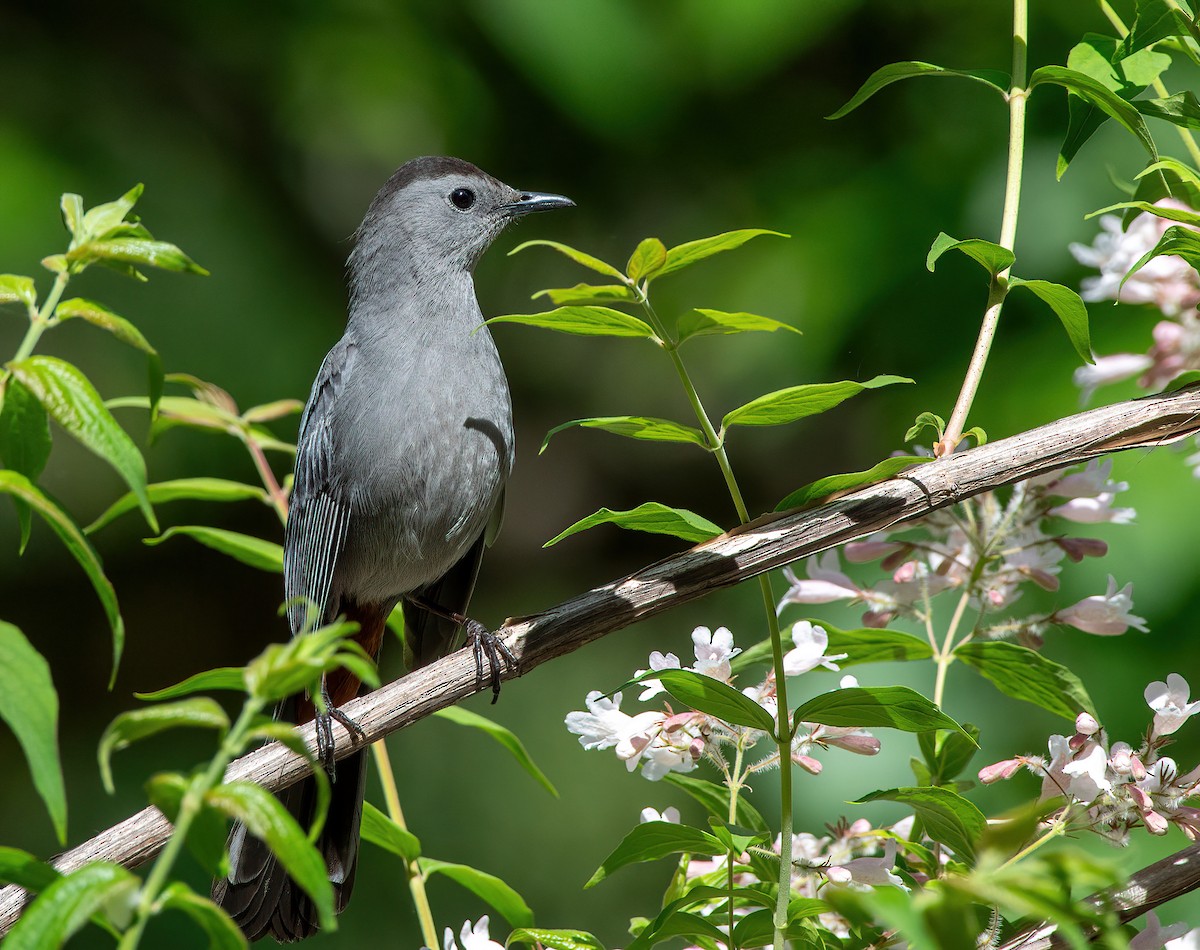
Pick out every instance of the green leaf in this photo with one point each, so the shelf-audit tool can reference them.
(587, 294)
(555, 939)
(75, 405)
(895, 707)
(948, 753)
(1160, 211)
(1184, 172)
(72, 212)
(100, 316)
(1181, 109)
(930, 420)
(1100, 96)
(718, 699)
(651, 517)
(17, 289)
(1156, 20)
(1026, 675)
(123, 253)
(266, 819)
(23, 869)
(486, 887)
(579, 257)
(797, 402)
(886, 75)
(29, 705)
(991, 257)
(506, 738)
(947, 816)
(17, 485)
(226, 677)
(838, 484)
(1183, 379)
(103, 218)
(715, 799)
(702, 322)
(208, 831)
(1175, 240)
(380, 830)
(663, 927)
(65, 906)
(222, 932)
(634, 427)
(866, 645)
(24, 442)
(1069, 308)
(583, 321)
(265, 555)
(177, 489)
(652, 840)
(286, 668)
(129, 727)
(647, 260)
(684, 255)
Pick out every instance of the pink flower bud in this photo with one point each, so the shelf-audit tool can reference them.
(906, 573)
(878, 619)
(1079, 548)
(1001, 770)
(859, 743)
(1043, 579)
(839, 875)
(1086, 724)
(808, 763)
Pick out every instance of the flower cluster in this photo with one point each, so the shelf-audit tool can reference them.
(663, 740)
(1114, 788)
(985, 549)
(473, 937)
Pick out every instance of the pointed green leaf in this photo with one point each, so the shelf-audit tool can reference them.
(582, 321)
(647, 260)
(265, 555)
(1026, 675)
(129, 727)
(1160, 211)
(684, 255)
(75, 405)
(29, 705)
(124, 253)
(1183, 379)
(1176, 240)
(886, 75)
(506, 738)
(17, 485)
(653, 840)
(208, 831)
(1156, 20)
(587, 294)
(715, 799)
(196, 489)
(579, 257)
(836, 484)
(486, 887)
(651, 517)
(100, 316)
(554, 939)
(661, 927)
(1068, 306)
(948, 753)
(66, 905)
(269, 411)
(991, 257)
(701, 322)
(101, 219)
(894, 707)
(1179, 169)
(711, 696)
(72, 212)
(266, 819)
(381, 831)
(947, 816)
(17, 289)
(1181, 109)
(634, 427)
(23, 869)
(226, 677)
(930, 420)
(865, 645)
(1103, 98)
(222, 932)
(797, 402)
(24, 442)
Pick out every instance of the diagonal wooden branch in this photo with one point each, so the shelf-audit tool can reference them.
(768, 543)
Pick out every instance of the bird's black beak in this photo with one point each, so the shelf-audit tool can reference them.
(530, 201)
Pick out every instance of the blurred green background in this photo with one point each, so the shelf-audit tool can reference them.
(261, 132)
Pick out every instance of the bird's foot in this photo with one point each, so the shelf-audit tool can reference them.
(487, 646)
(324, 729)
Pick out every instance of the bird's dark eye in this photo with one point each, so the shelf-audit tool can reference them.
(462, 198)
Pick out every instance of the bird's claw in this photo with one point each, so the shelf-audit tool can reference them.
(324, 730)
(487, 646)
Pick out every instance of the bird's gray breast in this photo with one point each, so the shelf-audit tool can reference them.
(423, 441)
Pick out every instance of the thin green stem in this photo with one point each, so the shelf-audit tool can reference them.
(944, 656)
(39, 319)
(416, 879)
(1008, 229)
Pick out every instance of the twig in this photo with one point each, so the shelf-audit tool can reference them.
(763, 545)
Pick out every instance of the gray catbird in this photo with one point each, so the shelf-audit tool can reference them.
(404, 449)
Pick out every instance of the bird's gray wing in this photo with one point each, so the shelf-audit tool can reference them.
(318, 517)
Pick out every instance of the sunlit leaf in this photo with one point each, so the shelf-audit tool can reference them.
(946, 815)
(226, 677)
(506, 738)
(1160, 211)
(17, 289)
(634, 427)
(486, 887)
(1068, 306)
(380, 830)
(265, 555)
(1176, 240)
(991, 257)
(554, 939)
(797, 402)
(895, 707)
(587, 294)
(72, 401)
(1025, 674)
(100, 316)
(270, 411)
(653, 840)
(684, 255)
(101, 219)
(837, 484)
(582, 321)
(579, 257)
(23, 869)
(709, 695)
(67, 904)
(651, 517)
(647, 260)
(29, 705)
(129, 727)
(702, 322)
(195, 489)
(1181, 109)
(124, 253)
(72, 212)
(886, 75)
(865, 645)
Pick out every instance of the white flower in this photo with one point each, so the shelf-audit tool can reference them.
(825, 582)
(1169, 701)
(870, 872)
(1093, 511)
(670, 814)
(809, 650)
(472, 937)
(1088, 772)
(651, 688)
(713, 652)
(1109, 369)
(605, 726)
(1106, 615)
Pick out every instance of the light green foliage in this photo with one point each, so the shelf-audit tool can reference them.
(1026, 675)
(650, 516)
(252, 551)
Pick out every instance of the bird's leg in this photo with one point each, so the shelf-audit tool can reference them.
(324, 731)
(484, 644)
